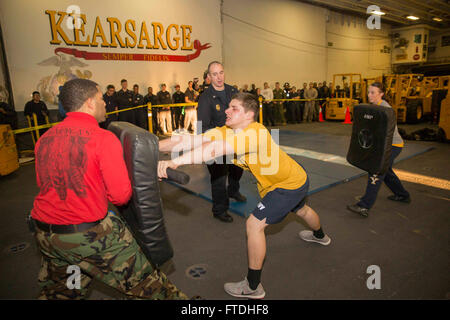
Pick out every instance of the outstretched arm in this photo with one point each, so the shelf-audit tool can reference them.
(181, 143)
(205, 152)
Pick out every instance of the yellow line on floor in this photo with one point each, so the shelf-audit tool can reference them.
(403, 175)
(421, 179)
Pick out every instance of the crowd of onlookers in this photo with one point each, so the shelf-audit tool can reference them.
(167, 120)
(183, 119)
(281, 113)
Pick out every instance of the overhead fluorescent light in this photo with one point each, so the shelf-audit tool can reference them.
(412, 18)
(437, 19)
(378, 13)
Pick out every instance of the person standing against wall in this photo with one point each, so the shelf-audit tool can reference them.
(311, 93)
(124, 101)
(211, 113)
(267, 93)
(140, 114)
(326, 93)
(278, 93)
(111, 105)
(197, 91)
(316, 103)
(153, 100)
(177, 97)
(302, 103)
(287, 94)
(39, 108)
(190, 112)
(164, 116)
(294, 106)
(205, 85)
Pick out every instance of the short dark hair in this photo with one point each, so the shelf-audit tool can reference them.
(378, 85)
(123, 80)
(34, 92)
(210, 64)
(74, 93)
(136, 85)
(248, 101)
(110, 86)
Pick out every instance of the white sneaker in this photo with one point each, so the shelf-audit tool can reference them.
(308, 235)
(242, 290)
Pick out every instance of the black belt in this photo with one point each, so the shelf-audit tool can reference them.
(64, 229)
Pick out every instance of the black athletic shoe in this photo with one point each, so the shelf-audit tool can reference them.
(224, 217)
(360, 210)
(394, 197)
(239, 197)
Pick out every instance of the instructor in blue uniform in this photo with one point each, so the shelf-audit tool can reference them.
(211, 112)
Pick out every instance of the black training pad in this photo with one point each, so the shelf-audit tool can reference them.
(144, 212)
(371, 140)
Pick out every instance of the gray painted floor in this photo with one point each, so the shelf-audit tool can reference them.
(410, 243)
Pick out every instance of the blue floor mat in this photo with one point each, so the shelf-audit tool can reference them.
(322, 156)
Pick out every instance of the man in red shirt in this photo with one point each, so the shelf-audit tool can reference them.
(79, 168)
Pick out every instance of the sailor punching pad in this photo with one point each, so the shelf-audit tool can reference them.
(371, 141)
(144, 212)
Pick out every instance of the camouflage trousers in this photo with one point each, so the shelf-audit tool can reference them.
(108, 253)
(279, 113)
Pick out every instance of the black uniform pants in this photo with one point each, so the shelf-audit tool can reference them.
(155, 124)
(389, 178)
(268, 114)
(176, 117)
(141, 117)
(302, 110)
(128, 116)
(219, 190)
(293, 112)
